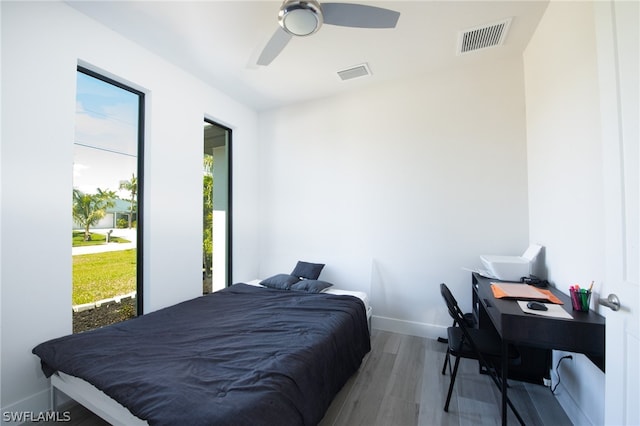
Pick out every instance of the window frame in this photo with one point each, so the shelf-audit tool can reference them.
(140, 177)
(229, 230)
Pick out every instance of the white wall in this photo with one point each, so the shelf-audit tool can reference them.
(398, 187)
(42, 43)
(565, 174)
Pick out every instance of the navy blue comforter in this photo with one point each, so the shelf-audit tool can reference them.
(244, 355)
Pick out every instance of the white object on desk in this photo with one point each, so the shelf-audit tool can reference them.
(511, 268)
(553, 310)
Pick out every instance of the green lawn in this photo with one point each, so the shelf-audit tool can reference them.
(77, 239)
(103, 275)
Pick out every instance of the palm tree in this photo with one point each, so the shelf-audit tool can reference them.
(207, 215)
(88, 209)
(132, 187)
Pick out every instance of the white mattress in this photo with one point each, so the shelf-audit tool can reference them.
(332, 290)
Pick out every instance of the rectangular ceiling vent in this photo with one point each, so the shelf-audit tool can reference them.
(483, 37)
(361, 70)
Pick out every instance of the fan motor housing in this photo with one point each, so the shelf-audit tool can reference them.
(299, 17)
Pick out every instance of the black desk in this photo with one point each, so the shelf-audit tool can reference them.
(585, 333)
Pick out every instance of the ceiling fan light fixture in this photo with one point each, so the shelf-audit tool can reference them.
(300, 18)
(305, 17)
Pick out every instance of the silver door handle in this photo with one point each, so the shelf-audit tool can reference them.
(612, 302)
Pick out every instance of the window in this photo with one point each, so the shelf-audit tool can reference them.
(107, 188)
(216, 202)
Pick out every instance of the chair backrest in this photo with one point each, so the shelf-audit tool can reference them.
(452, 306)
(458, 317)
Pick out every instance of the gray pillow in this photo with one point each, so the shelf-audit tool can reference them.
(280, 281)
(310, 271)
(310, 286)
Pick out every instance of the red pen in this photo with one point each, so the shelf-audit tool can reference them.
(575, 300)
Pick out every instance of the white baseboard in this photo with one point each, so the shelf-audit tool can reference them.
(36, 403)
(573, 411)
(411, 328)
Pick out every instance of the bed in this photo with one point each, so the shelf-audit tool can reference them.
(245, 355)
(340, 292)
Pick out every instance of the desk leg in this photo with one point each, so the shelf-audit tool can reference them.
(505, 374)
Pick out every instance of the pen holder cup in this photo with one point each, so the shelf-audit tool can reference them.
(580, 300)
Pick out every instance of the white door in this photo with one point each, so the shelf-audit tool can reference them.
(617, 34)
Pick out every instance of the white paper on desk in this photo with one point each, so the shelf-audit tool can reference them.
(482, 272)
(553, 310)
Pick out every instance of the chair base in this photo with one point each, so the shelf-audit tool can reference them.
(488, 370)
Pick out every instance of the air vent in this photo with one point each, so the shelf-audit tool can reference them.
(483, 37)
(361, 70)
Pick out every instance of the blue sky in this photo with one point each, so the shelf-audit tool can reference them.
(106, 135)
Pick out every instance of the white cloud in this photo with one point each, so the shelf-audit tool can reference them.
(105, 150)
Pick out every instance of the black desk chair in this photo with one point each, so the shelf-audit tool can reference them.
(482, 345)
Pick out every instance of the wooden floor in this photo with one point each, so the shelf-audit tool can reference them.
(400, 384)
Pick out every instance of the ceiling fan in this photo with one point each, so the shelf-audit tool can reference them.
(305, 17)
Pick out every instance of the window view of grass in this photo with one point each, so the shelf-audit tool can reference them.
(96, 239)
(103, 275)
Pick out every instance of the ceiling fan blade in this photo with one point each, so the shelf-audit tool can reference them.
(358, 15)
(276, 43)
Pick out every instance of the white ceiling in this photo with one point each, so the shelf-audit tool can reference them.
(219, 42)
